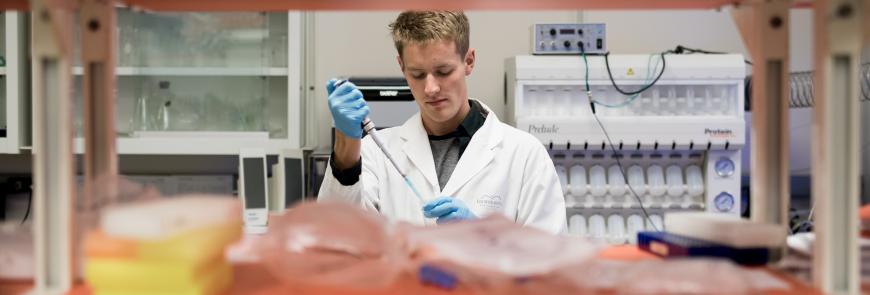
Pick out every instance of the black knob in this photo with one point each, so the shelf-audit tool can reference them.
(567, 43)
(552, 32)
(579, 44)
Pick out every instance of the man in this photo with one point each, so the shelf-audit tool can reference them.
(464, 162)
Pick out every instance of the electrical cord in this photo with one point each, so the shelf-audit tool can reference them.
(610, 74)
(680, 49)
(683, 49)
(803, 225)
(649, 76)
(607, 136)
(29, 203)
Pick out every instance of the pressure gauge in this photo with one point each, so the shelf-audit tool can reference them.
(724, 202)
(724, 167)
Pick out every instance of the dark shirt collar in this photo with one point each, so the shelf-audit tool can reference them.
(473, 121)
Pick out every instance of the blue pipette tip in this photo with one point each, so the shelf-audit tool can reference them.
(414, 189)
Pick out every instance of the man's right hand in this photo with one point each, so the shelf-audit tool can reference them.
(348, 108)
(348, 111)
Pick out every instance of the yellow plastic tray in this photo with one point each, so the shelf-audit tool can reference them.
(115, 276)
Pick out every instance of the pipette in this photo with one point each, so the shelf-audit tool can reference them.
(369, 127)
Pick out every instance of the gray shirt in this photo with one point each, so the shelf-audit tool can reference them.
(446, 155)
(447, 149)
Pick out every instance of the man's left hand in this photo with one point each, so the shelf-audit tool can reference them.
(447, 209)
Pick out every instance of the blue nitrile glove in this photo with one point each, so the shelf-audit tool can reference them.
(447, 209)
(348, 107)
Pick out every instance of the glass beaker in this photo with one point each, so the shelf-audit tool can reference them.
(163, 116)
(165, 97)
(140, 117)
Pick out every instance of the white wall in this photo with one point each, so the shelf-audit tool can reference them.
(642, 32)
(358, 43)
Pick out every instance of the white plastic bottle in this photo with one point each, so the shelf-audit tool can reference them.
(636, 180)
(597, 181)
(674, 180)
(563, 177)
(634, 225)
(578, 184)
(656, 180)
(577, 226)
(616, 181)
(597, 227)
(694, 181)
(616, 229)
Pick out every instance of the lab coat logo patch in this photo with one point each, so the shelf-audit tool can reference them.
(490, 201)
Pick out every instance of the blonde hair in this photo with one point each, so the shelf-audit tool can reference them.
(423, 27)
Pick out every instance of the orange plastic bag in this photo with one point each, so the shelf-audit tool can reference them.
(494, 255)
(673, 276)
(332, 244)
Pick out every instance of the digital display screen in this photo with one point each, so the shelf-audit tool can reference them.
(293, 183)
(255, 183)
(566, 31)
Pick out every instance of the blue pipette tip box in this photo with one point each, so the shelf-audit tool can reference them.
(671, 245)
(433, 275)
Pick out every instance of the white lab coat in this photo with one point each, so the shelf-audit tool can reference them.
(503, 170)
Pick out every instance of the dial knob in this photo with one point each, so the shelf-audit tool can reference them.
(724, 202)
(725, 167)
